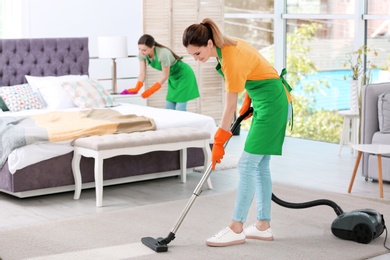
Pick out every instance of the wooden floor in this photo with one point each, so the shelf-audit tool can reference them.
(304, 163)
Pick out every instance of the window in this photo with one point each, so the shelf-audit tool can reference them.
(332, 29)
(320, 7)
(378, 37)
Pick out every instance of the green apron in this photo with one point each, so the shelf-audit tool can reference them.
(182, 85)
(270, 109)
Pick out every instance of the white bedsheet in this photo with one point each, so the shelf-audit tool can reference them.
(164, 118)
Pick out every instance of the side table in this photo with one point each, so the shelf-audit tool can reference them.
(350, 129)
(378, 150)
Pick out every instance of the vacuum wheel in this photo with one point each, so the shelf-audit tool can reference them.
(362, 233)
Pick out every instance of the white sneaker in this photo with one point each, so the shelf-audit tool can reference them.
(226, 237)
(253, 233)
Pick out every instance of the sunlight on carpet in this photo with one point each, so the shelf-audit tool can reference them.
(228, 162)
(111, 252)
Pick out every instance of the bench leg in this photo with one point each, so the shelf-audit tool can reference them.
(76, 175)
(183, 165)
(207, 161)
(99, 181)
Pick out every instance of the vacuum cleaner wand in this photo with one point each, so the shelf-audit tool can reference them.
(161, 244)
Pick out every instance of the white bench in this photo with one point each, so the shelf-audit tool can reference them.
(107, 146)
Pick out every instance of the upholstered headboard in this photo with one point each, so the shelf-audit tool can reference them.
(42, 57)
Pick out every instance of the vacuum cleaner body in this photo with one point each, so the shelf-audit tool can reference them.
(359, 225)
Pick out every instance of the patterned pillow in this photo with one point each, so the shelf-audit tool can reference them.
(20, 97)
(50, 89)
(88, 93)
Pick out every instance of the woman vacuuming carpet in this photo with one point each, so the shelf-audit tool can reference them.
(244, 68)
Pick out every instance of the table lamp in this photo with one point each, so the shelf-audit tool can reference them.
(113, 47)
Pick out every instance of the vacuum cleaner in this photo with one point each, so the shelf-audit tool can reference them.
(361, 226)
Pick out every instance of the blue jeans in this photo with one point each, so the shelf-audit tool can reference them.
(182, 106)
(255, 178)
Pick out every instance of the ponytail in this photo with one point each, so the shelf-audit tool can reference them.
(199, 34)
(149, 41)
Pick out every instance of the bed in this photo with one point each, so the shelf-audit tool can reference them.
(40, 78)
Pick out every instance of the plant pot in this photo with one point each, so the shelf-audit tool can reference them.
(354, 96)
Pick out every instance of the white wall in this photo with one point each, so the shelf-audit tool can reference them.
(80, 18)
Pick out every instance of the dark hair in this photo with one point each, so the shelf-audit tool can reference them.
(149, 41)
(199, 34)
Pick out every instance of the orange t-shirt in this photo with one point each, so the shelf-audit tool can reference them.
(242, 62)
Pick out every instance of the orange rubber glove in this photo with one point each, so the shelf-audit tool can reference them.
(147, 93)
(220, 138)
(245, 106)
(137, 87)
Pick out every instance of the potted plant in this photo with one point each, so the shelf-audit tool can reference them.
(360, 75)
(354, 61)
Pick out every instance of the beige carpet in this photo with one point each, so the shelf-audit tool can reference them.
(229, 161)
(299, 233)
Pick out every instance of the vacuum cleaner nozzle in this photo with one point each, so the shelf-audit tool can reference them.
(158, 244)
(359, 225)
(155, 244)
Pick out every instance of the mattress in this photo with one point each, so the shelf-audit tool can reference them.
(164, 118)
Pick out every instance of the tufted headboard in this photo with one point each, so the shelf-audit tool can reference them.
(42, 57)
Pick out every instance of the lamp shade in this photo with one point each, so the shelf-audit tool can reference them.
(112, 47)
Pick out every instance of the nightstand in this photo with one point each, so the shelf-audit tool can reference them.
(129, 99)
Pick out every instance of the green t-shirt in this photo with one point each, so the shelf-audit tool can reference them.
(164, 55)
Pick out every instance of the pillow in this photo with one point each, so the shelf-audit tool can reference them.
(384, 112)
(3, 105)
(20, 97)
(88, 93)
(51, 91)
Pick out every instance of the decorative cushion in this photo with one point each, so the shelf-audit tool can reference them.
(3, 105)
(20, 97)
(88, 93)
(51, 91)
(384, 112)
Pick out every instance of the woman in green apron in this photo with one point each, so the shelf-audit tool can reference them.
(244, 68)
(182, 86)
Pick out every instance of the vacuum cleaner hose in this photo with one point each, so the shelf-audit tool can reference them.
(283, 203)
(308, 204)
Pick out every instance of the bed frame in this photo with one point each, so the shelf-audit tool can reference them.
(65, 56)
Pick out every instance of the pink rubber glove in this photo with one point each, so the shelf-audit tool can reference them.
(134, 90)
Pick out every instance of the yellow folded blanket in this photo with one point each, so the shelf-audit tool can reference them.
(62, 126)
(59, 126)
